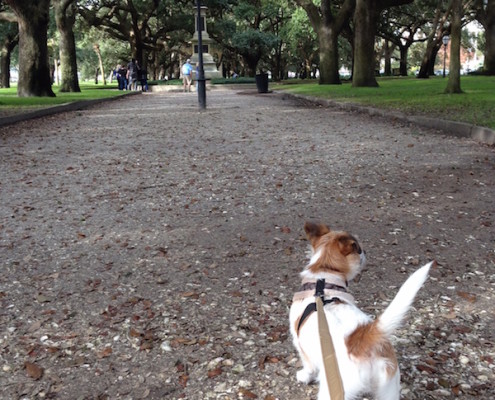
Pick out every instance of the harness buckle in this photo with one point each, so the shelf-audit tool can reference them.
(320, 289)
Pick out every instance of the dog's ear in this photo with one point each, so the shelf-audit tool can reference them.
(348, 245)
(314, 231)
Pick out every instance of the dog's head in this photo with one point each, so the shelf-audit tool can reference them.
(333, 252)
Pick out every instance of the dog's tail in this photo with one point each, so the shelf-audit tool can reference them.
(393, 315)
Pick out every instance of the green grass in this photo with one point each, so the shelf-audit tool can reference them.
(233, 81)
(168, 82)
(9, 99)
(409, 95)
(416, 96)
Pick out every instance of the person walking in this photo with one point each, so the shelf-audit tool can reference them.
(187, 75)
(132, 75)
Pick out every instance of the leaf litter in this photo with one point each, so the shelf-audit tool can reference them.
(150, 251)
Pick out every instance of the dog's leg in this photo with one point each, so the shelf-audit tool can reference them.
(390, 390)
(308, 373)
(323, 393)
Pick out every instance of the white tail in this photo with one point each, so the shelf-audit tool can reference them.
(392, 317)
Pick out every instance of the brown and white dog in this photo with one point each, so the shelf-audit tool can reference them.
(366, 358)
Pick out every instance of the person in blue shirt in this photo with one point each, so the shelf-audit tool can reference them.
(187, 70)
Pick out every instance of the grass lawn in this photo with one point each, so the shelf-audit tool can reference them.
(415, 96)
(10, 101)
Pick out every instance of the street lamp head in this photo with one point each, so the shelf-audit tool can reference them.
(445, 40)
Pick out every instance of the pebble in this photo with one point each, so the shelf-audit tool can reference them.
(165, 346)
(464, 360)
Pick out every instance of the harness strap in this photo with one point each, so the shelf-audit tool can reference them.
(328, 286)
(311, 308)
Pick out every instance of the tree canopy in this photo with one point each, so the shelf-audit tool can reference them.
(305, 38)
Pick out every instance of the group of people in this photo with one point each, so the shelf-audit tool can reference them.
(131, 76)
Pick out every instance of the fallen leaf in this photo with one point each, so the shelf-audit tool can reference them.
(183, 380)
(426, 368)
(42, 299)
(146, 345)
(180, 366)
(212, 373)
(134, 333)
(34, 371)
(456, 390)
(191, 294)
(467, 296)
(34, 326)
(105, 352)
(185, 341)
(267, 360)
(247, 393)
(162, 251)
(462, 329)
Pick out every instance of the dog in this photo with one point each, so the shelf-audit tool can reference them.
(365, 355)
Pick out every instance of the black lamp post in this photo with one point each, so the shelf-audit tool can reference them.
(201, 72)
(445, 41)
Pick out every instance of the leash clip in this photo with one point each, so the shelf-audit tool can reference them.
(320, 289)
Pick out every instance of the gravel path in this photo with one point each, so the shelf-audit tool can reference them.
(150, 251)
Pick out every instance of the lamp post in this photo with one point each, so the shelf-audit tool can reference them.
(445, 41)
(201, 72)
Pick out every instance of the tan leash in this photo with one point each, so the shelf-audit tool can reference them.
(332, 373)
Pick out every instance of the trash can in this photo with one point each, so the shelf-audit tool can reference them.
(262, 83)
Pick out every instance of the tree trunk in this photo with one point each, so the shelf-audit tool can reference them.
(433, 59)
(329, 56)
(425, 68)
(251, 62)
(387, 56)
(489, 63)
(9, 44)
(96, 47)
(327, 23)
(65, 17)
(434, 42)
(403, 60)
(454, 82)
(365, 18)
(34, 71)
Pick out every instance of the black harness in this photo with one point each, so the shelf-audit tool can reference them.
(319, 287)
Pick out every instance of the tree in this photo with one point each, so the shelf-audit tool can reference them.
(328, 21)
(403, 26)
(279, 14)
(454, 82)
(144, 24)
(486, 17)
(10, 41)
(9, 32)
(302, 43)
(438, 28)
(65, 18)
(366, 17)
(34, 71)
(245, 29)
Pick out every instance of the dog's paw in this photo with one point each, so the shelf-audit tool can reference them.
(305, 376)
